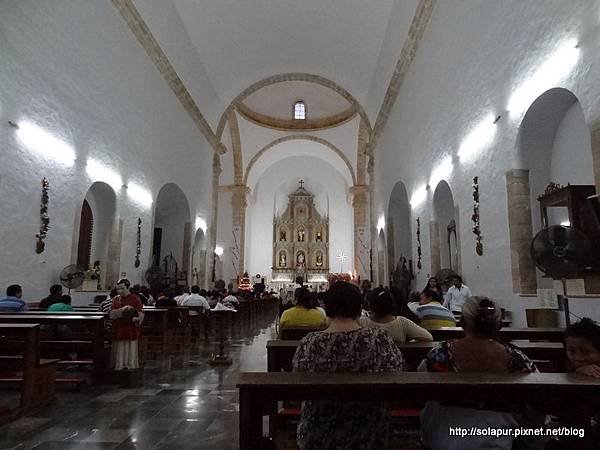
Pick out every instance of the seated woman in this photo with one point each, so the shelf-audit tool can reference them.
(478, 351)
(431, 312)
(345, 347)
(399, 328)
(304, 314)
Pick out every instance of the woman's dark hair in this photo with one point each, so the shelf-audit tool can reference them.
(381, 302)
(113, 293)
(66, 299)
(482, 316)
(343, 299)
(586, 329)
(304, 298)
(437, 284)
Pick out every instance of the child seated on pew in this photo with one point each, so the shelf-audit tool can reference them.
(582, 344)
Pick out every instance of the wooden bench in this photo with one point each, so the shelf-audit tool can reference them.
(296, 333)
(548, 391)
(281, 352)
(85, 335)
(505, 334)
(37, 377)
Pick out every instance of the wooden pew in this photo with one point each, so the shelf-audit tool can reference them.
(281, 352)
(296, 333)
(505, 334)
(37, 377)
(86, 334)
(258, 391)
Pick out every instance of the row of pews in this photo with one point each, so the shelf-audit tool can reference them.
(39, 349)
(552, 390)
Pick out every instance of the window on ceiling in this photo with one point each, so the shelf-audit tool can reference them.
(299, 110)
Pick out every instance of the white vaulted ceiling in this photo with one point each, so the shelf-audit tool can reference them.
(243, 41)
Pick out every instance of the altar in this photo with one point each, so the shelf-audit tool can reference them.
(300, 241)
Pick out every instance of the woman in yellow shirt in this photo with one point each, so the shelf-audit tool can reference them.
(304, 314)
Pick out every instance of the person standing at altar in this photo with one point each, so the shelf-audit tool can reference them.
(127, 315)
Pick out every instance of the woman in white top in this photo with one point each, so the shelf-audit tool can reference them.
(399, 328)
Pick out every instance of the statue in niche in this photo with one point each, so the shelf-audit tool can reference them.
(282, 237)
(319, 237)
(195, 277)
(319, 262)
(282, 261)
(300, 235)
(300, 259)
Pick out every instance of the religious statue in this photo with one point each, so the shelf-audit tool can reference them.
(282, 259)
(195, 277)
(300, 258)
(94, 274)
(319, 237)
(401, 279)
(301, 235)
(282, 235)
(319, 259)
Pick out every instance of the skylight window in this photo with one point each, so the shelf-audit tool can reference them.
(299, 110)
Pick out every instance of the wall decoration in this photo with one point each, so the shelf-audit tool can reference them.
(475, 218)
(419, 253)
(138, 245)
(40, 245)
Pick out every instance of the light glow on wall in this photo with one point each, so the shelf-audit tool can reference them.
(218, 250)
(552, 71)
(478, 139)
(442, 171)
(139, 195)
(565, 223)
(418, 196)
(46, 144)
(381, 223)
(99, 172)
(201, 224)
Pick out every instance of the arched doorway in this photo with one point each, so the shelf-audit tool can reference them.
(398, 226)
(554, 145)
(96, 222)
(172, 230)
(446, 217)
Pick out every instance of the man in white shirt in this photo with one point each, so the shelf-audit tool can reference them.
(181, 297)
(456, 295)
(196, 299)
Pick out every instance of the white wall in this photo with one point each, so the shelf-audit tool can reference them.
(75, 69)
(282, 177)
(473, 56)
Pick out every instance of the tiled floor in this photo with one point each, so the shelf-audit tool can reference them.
(191, 408)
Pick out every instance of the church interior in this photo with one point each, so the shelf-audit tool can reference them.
(234, 203)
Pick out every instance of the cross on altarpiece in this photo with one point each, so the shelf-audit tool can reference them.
(301, 183)
(342, 257)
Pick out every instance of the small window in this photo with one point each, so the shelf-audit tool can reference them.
(299, 110)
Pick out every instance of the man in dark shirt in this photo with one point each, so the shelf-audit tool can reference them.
(54, 297)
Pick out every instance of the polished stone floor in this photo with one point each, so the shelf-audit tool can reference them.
(191, 408)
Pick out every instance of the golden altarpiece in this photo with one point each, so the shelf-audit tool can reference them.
(300, 240)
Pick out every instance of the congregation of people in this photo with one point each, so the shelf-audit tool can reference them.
(357, 339)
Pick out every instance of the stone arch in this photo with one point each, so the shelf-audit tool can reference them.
(398, 223)
(172, 227)
(553, 144)
(445, 216)
(294, 76)
(306, 137)
(95, 228)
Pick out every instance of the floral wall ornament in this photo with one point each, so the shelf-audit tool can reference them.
(475, 218)
(40, 245)
(419, 253)
(138, 248)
